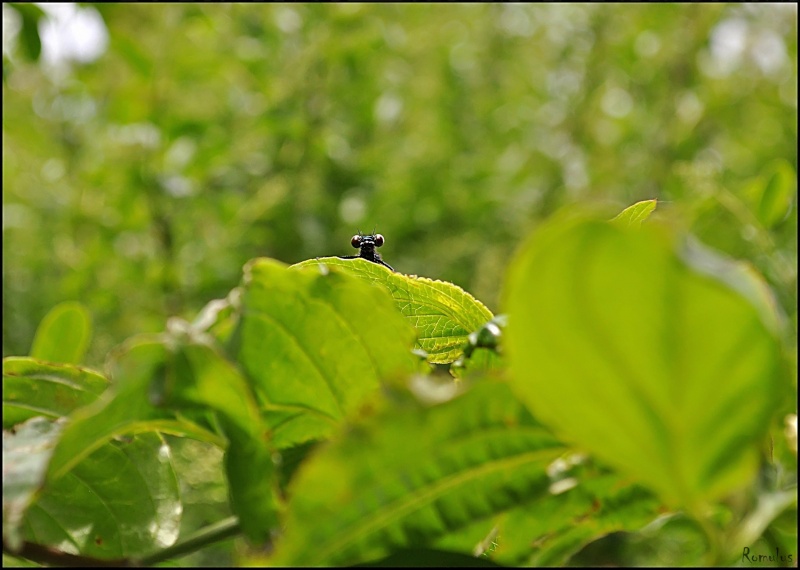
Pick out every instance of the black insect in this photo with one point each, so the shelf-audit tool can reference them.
(366, 245)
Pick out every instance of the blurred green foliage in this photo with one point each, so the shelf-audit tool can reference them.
(204, 135)
(140, 182)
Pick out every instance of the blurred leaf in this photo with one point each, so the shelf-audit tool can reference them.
(604, 505)
(413, 474)
(26, 452)
(127, 408)
(442, 313)
(32, 388)
(585, 502)
(95, 506)
(737, 275)
(771, 194)
(201, 377)
(29, 33)
(770, 507)
(315, 346)
(635, 214)
(608, 323)
(429, 558)
(219, 317)
(482, 362)
(63, 334)
(133, 55)
(122, 500)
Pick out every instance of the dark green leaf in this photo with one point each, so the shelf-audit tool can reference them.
(429, 558)
(29, 33)
(414, 474)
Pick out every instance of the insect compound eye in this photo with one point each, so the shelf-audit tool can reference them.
(378, 240)
(355, 241)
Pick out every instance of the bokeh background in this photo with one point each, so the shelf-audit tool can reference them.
(150, 150)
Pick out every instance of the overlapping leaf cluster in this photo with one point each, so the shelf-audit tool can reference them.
(641, 377)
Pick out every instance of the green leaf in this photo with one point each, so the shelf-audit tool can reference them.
(63, 334)
(666, 373)
(138, 59)
(442, 313)
(120, 501)
(429, 558)
(635, 214)
(156, 377)
(412, 474)
(114, 499)
(315, 346)
(29, 33)
(129, 407)
(199, 376)
(561, 524)
(26, 452)
(771, 194)
(32, 388)
(586, 502)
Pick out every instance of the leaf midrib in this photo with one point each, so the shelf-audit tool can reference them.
(425, 495)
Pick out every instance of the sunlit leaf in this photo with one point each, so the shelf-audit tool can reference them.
(635, 214)
(119, 498)
(152, 382)
(125, 409)
(33, 388)
(442, 313)
(120, 501)
(63, 334)
(668, 374)
(315, 345)
(201, 377)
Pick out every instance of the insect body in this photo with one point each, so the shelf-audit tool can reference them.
(366, 245)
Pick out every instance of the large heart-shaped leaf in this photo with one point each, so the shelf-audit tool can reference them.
(664, 371)
(442, 313)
